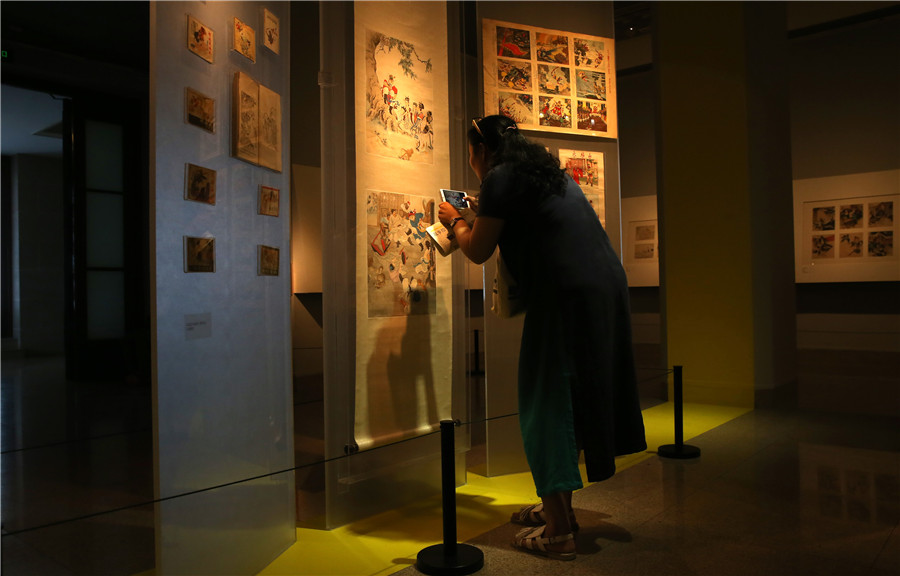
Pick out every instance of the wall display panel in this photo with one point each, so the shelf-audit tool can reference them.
(640, 230)
(550, 80)
(845, 228)
(404, 321)
(220, 306)
(587, 169)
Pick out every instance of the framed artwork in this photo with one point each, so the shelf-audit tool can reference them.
(199, 184)
(401, 265)
(199, 254)
(244, 40)
(640, 240)
(587, 169)
(269, 129)
(845, 228)
(271, 31)
(199, 110)
(550, 80)
(256, 123)
(268, 261)
(269, 200)
(200, 39)
(245, 121)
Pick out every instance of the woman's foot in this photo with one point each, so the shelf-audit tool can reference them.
(559, 547)
(533, 515)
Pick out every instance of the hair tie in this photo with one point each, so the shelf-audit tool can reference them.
(511, 127)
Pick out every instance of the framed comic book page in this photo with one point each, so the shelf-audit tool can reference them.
(550, 80)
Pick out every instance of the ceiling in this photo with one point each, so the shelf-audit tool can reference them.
(24, 113)
(85, 30)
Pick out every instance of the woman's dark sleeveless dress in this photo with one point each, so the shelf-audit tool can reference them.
(577, 386)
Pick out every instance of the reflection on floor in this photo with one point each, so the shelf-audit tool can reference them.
(774, 492)
(71, 451)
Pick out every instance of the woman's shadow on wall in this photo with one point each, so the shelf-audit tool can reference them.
(400, 383)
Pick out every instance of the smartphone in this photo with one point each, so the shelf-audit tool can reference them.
(456, 198)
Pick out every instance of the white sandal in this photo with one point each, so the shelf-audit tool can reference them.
(532, 540)
(533, 515)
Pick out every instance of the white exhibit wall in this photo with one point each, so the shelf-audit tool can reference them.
(221, 340)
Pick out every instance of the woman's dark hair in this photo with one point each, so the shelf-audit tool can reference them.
(532, 165)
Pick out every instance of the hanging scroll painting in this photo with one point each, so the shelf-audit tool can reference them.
(404, 304)
(550, 80)
(586, 168)
(401, 259)
(399, 99)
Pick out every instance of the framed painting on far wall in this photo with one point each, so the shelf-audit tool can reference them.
(271, 31)
(199, 110)
(269, 200)
(244, 40)
(200, 39)
(199, 184)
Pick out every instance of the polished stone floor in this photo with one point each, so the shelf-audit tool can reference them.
(773, 493)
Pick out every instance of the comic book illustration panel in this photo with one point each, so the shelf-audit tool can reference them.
(519, 107)
(552, 48)
(200, 184)
(643, 232)
(822, 246)
(589, 84)
(851, 246)
(592, 116)
(244, 40)
(246, 128)
(399, 100)
(881, 214)
(596, 202)
(881, 244)
(269, 201)
(586, 168)
(823, 218)
(200, 110)
(851, 216)
(513, 43)
(554, 80)
(401, 259)
(644, 251)
(514, 75)
(269, 129)
(589, 54)
(199, 254)
(268, 261)
(271, 31)
(555, 111)
(200, 39)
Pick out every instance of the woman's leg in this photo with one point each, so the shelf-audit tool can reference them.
(557, 507)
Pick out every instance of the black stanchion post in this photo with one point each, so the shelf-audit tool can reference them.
(449, 558)
(679, 449)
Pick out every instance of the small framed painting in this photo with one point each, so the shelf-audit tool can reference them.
(244, 40)
(269, 200)
(199, 110)
(199, 254)
(200, 39)
(268, 261)
(271, 31)
(199, 184)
